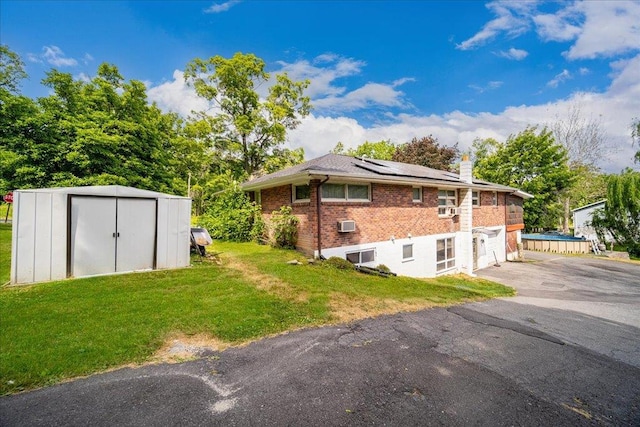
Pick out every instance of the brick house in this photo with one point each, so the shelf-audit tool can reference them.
(417, 221)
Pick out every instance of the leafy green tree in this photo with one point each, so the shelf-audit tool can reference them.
(282, 158)
(635, 137)
(86, 133)
(621, 214)
(427, 152)
(247, 128)
(534, 163)
(382, 150)
(11, 70)
(338, 149)
(232, 216)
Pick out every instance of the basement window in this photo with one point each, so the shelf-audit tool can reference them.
(361, 257)
(446, 254)
(407, 252)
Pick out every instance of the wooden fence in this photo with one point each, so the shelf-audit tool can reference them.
(558, 246)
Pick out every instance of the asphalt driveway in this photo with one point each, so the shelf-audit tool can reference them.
(564, 352)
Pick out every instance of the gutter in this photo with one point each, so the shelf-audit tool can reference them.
(318, 213)
(426, 182)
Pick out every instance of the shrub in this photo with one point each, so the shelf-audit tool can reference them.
(234, 217)
(339, 263)
(285, 228)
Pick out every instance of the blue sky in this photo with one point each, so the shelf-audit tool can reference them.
(379, 70)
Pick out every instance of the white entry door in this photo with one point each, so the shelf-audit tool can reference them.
(93, 236)
(112, 235)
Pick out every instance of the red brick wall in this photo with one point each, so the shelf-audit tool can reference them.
(487, 215)
(391, 212)
(274, 198)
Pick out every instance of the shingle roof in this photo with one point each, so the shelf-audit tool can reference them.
(337, 165)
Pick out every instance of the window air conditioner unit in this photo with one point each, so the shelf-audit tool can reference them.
(453, 211)
(348, 226)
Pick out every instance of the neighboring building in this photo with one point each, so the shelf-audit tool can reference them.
(582, 221)
(417, 221)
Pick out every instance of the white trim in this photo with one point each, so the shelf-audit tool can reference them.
(293, 193)
(346, 192)
(446, 206)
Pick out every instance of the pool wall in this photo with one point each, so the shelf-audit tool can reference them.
(557, 246)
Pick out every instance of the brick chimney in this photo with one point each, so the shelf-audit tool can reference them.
(466, 215)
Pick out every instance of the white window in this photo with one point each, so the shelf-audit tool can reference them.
(361, 257)
(494, 198)
(446, 254)
(301, 193)
(475, 198)
(417, 194)
(446, 199)
(348, 192)
(407, 252)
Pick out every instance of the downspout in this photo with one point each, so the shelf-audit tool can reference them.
(318, 200)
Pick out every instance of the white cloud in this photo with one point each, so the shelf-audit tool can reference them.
(327, 94)
(512, 18)
(513, 53)
(322, 78)
(489, 86)
(599, 28)
(584, 71)
(32, 57)
(616, 107)
(559, 78)
(610, 28)
(560, 26)
(371, 94)
(87, 58)
(83, 77)
(176, 96)
(55, 56)
(221, 7)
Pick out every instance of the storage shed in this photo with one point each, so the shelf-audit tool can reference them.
(87, 231)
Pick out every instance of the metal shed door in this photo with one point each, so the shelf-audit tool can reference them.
(110, 234)
(93, 236)
(137, 234)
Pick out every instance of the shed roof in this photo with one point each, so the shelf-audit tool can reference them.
(373, 170)
(104, 190)
(591, 205)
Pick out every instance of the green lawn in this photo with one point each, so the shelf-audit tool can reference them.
(53, 331)
(5, 252)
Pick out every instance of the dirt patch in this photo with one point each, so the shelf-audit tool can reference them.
(347, 308)
(181, 347)
(265, 282)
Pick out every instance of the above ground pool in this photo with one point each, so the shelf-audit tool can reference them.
(556, 242)
(543, 236)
